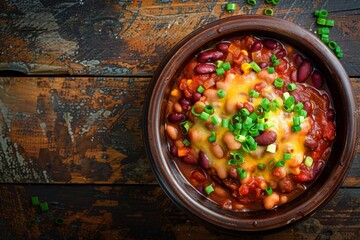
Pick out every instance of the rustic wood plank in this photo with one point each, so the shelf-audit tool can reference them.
(81, 130)
(131, 37)
(144, 212)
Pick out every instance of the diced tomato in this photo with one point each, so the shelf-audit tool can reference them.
(197, 177)
(189, 69)
(244, 189)
(249, 107)
(282, 67)
(305, 175)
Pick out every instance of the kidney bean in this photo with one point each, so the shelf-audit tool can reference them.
(263, 65)
(310, 143)
(223, 46)
(281, 54)
(256, 47)
(318, 166)
(205, 68)
(307, 107)
(204, 160)
(330, 114)
(210, 55)
(304, 71)
(266, 138)
(190, 159)
(185, 103)
(217, 150)
(317, 79)
(196, 97)
(298, 59)
(174, 150)
(269, 43)
(293, 75)
(176, 117)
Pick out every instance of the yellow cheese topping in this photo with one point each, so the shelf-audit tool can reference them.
(237, 89)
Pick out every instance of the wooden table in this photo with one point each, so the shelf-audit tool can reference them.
(71, 97)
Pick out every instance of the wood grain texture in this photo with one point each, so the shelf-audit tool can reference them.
(80, 130)
(123, 38)
(144, 212)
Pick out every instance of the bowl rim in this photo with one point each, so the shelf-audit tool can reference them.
(163, 76)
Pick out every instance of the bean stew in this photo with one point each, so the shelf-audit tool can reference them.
(250, 123)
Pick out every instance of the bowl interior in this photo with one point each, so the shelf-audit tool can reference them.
(169, 176)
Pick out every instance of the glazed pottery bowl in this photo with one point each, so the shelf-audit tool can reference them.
(181, 192)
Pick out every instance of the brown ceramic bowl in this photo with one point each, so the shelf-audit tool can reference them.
(176, 186)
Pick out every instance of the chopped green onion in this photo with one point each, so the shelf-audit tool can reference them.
(186, 142)
(289, 101)
(221, 93)
(261, 120)
(308, 161)
(230, 7)
(254, 132)
(276, 63)
(296, 121)
(255, 66)
(253, 116)
(238, 126)
(323, 13)
(287, 156)
(340, 55)
(265, 103)
(254, 93)
(278, 82)
(273, 58)
(271, 148)
(245, 147)
(240, 138)
(35, 201)
(271, 70)
(196, 106)
(291, 86)
(247, 126)
(200, 89)
(253, 146)
(303, 113)
(268, 1)
(250, 140)
(226, 66)
(268, 12)
(330, 23)
(277, 102)
(275, 2)
(298, 106)
(271, 164)
(280, 163)
(209, 109)
(204, 116)
(184, 126)
(338, 49)
(220, 71)
(209, 189)
(269, 190)
(44, 207)
(212, 139)
(215, 120)
(332, 45)
(260, 126)
(261, 166)
(231, 127)
(325, 39)
(251, 2)
(296, 128)
(285, 96)
(267, 115)
(219, 63)
(302, 119)
(225, 123)
(244, 112)
(239, 170)
(321, 21)
(268, 124)
(248, 120)
(316, 13)
(324, 30)
(238, 156)
(243, 175)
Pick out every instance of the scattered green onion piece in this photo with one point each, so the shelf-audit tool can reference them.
(243, 175)
(186, 142)
(271, 164)
(267, 115)
(255, 66)
(265, 103)
(321, 21)
(209, 109)
(184, 126)
(308, 161)
(204, 116)
(261, 166)
(239, 170)
(226, 66)
(303, 113)
(296, 121)
(245, 147)
(340, 55)
(291, 86)
(59, 221)
(35, 201)
(238, 126)
(268, 124)
(244, 112)
(250, 140)
(260, 126)
(338, 49)
(323, 13)
(248, 120)
(277, 102)
(231, 127)
(302, 119)
(325, 31)
(287, 156)
(44, 207)
(278, 82)
(219, 63)
(325, 39)
(221, 93)
(289, 101)
(209, 189)
(244, 132)
(330, 23)
(253, 116)
(240, 138)
(251, 2)
(254, 132)
(271, 148)
(254, 93)
(276, 63)
(271, 70)
(268, 12)
(296, 128)
(220, 71)
(215, 120)
(332, 45)
(275, 2)
(230, 7)
(280, 163)
(253, 146)
(193, 109)
(285, 96)
(261, 120)
(298, 106)
(247, 126)
(316, 13)
(269, 190)
(225, 123)
(200, 89)
(268, 1)
(238, 156)
(273, 58)
(212, 139)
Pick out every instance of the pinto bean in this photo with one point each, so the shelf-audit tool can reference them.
(177, 107)
(304, 71)
(310, 143)
(265, 75)
(210, 55)
(220, 191)
(223, 46)
(194, 135)
(221, 171)
(176, 117)
(172, 132)
(269, 43)
(204, 160)
(317, 79)
(205, 68)
(279, 172)
(266, 138)
(217, 150)
(230, 141)
(271, 200)
(286, 185)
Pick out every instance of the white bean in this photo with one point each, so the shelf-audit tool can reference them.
(211, 95)
(194, 135)
(177, 107)
(271, 200)
(230, 141)
(221, 171)
(172, 132)
(217, 150)
(279, 172)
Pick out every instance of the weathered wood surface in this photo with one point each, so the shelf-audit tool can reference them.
(144, 212)
(80, 130)
(82, 37)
